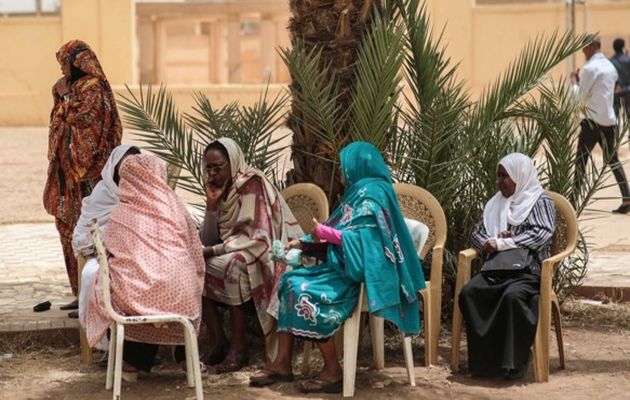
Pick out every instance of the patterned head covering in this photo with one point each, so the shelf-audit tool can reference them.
(79, 54)
(394, 280)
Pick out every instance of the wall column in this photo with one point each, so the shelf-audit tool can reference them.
(268, 48)
(234, 48)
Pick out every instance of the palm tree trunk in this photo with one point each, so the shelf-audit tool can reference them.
(335, 27)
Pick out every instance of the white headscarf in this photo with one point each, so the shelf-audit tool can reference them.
(100, 202)
(501, 211)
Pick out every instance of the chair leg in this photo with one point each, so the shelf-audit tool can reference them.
(190, 373)
(456, 336)
(436, 311)
(428, 331)
(306, 357)
(408, 352)
(555, 307)
(350, 348)
(120, 338)
(111, 356)
(377, 329)
(193, 349)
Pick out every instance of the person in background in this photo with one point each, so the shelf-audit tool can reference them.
(595, 87)
(84, 129)
(621, 61)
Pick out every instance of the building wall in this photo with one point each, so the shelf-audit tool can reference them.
(28, 67)
(484, 38)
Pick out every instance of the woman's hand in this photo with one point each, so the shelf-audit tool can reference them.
(213, 195)
(505, 234)
(490, 247)
(314, 235)
(62, 87)
(293, 244)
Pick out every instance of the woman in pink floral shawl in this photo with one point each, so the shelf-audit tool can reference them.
(156, 263)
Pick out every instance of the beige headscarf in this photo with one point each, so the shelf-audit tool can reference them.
(242, 228)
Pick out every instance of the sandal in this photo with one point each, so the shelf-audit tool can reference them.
(73, 305)
(317, 385)
(232, 364)
(267, 377)
(73, 314)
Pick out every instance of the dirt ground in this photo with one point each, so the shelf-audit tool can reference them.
(596, 342)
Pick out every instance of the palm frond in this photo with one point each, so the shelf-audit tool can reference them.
(377, 84)
(314, 96)
(536, 60)
(154, 118)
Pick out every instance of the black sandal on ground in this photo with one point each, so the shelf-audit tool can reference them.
(43, 306)
(73, 314)
(266, 377)
(317, 385)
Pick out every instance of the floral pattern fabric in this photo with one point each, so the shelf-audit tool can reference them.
(84, 129)
(376, 250)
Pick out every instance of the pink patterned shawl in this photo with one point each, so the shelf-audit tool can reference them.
(156, 264)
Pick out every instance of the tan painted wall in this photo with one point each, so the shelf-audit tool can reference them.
(28, 67)
(487, 38)
(483, 38)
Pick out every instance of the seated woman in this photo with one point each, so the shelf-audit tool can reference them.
(155, 265)
(501, 312)
(367, 242)
(245, 213)
(98, 205)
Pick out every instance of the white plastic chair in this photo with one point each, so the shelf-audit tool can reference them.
(117, 330)
(351, 345)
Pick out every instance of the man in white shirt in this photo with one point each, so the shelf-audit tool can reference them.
(595, 87)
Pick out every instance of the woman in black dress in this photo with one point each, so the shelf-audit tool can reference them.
(501, 312)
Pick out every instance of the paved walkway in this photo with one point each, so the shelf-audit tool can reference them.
(31, 271)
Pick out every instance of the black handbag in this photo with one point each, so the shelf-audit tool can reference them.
(508, 262)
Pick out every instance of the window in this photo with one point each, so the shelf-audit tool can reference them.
(29, 7)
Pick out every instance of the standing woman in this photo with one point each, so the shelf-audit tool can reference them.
(501, 311)
(84, 129)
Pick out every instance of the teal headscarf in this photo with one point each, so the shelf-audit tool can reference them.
(377, 251)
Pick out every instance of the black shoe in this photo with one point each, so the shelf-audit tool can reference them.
(623, 209)
(73, 305)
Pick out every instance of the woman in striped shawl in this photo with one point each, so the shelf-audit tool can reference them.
(501, 312)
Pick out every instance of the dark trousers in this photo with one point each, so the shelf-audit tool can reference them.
(591, 134)
(142, 355)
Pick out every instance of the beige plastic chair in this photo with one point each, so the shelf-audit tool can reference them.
(563, 244)
(117, 330)
(307, 201)
(418, 204)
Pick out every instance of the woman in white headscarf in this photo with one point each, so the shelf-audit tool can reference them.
(501, 310)
(98, 205)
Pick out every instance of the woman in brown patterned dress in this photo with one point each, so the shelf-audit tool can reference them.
(84, 129)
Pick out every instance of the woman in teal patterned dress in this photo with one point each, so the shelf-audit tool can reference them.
(367, 242)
